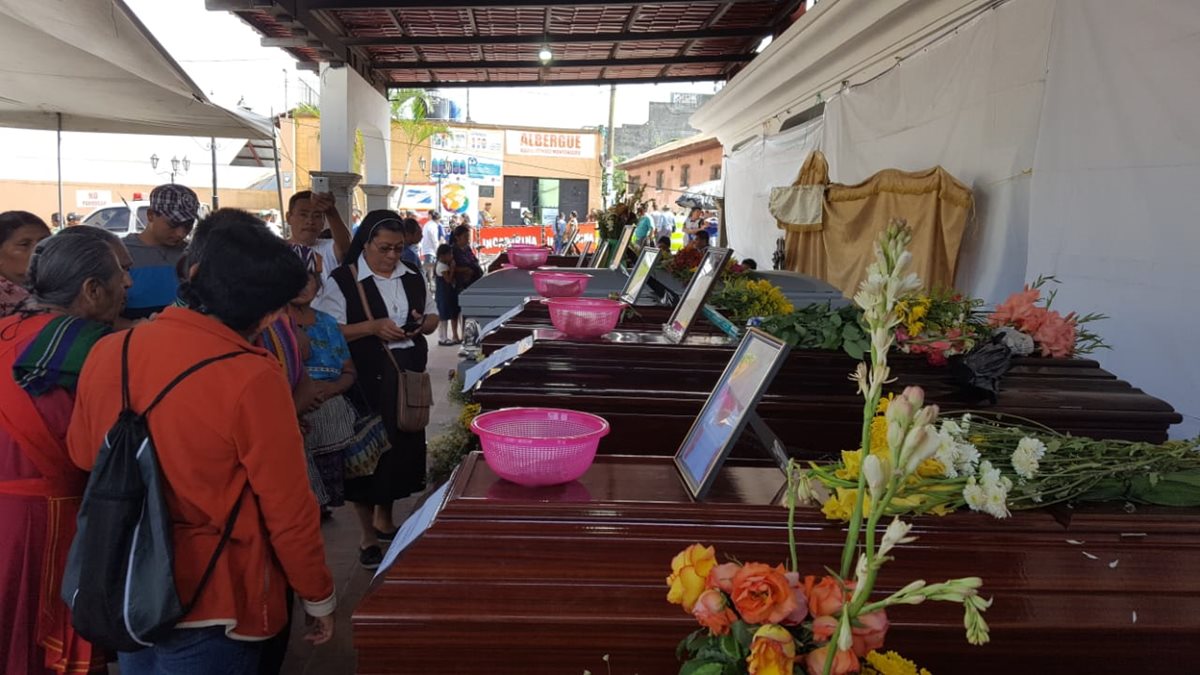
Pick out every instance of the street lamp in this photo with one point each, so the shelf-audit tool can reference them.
(178, 166)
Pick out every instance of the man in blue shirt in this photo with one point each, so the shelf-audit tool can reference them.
(644, 226)
(157, 249)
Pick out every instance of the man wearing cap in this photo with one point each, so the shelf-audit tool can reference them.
(157, 249)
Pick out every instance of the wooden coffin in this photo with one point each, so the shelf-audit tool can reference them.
(650, 393)
(532, 581)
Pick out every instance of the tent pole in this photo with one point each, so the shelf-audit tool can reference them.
(62, 217)
(216, 201)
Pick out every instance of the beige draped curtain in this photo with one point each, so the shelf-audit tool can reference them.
(839, 248)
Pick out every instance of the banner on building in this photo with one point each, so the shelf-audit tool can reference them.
(418, 198)
(496, 240)
(91, 199)
(475, 155)
(550, 144)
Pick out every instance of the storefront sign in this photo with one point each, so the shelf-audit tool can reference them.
(550, 144)
(92, 198)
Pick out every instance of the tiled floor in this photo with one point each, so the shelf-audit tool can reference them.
(341, 551)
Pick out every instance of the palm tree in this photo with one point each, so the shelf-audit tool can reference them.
(410, 110)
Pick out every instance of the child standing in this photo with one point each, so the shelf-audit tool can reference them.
(446, 295)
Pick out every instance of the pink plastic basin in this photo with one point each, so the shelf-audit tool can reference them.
(539, 446)
(584, 317)
(528, 257)
(560, 284)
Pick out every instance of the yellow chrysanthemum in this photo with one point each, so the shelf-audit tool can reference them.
(884, 402)
(879, 444)
(851, 464)
(840, 505)
(931, 468)
(891, 663)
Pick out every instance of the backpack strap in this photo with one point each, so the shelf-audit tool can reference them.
(237, 506)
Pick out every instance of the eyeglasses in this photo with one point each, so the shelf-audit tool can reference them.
(388, 250)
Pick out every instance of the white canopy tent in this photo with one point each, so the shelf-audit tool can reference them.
(91, 66)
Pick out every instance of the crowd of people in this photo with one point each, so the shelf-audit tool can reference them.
(314, 351)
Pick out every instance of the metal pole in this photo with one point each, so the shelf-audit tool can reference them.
(216, 201)
(612, 144)
(62, 217)
(278, 176)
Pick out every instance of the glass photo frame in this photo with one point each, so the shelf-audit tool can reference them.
(587, 246)
(639, 274)
(698, 290)
(729, 407)
(622, 246)
(568, 241)
(598, 256)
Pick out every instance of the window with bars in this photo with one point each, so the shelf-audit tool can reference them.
(685, 175)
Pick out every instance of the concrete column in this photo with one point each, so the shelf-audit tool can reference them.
(378, 196)
(341, 184)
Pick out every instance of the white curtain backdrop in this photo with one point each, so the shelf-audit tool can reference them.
(1076, 124)
(1116, 191)
(969, 103)
(750, 173)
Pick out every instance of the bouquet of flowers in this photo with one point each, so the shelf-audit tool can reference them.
(940, 324)
(764, 619)
(612, 220)
(741, 299)
(683, 265)
(1028, 324)
(996, 468)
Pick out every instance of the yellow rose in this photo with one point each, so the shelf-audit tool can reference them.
(689, 572)
(773, 651)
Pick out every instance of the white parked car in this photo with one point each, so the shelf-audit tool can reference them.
(125, 218)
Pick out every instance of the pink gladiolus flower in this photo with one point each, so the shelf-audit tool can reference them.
(1056, 335)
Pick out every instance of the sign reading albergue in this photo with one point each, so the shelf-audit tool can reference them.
(550, 144)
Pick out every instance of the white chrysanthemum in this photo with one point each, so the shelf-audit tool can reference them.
(1032, 446)
(988, 475)
(968, 458)
(965, 424)
(996, 502)
(947, 454)
(974, 495)
(951, 429)
(1025, 462)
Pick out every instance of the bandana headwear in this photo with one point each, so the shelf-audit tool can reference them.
(310, 258)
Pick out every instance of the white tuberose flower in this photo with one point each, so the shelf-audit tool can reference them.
(1024, 463)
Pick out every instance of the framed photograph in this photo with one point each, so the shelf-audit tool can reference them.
(598, 256)
(622, 246)
(587, 246)
(568, 241)
(729, 407)
(698, 290)
(641, 272)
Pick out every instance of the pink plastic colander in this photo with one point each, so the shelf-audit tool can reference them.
(528, 257)
(584, 317)
(560, 284)
(539, 446)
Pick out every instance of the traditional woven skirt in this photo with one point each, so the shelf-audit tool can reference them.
(330, 432)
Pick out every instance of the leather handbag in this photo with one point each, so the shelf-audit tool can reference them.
(414, 391)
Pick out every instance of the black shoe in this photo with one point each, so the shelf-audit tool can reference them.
(370, 557)
(384, 536)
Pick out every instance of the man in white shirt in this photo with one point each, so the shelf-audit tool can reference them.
(431, 237)
(307, 215)
(664, 223)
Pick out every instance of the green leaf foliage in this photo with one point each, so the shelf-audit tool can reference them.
(820, 326)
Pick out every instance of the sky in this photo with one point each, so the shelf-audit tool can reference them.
(224, 57)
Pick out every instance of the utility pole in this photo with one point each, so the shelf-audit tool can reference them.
(610, 160)
(212, 144)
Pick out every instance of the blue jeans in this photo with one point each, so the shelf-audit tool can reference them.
(194, 651)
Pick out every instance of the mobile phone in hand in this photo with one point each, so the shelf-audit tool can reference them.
(320, 184)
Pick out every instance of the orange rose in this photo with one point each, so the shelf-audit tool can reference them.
(869, 634)
(827, 597)
(801, 610)
(721, 576)
(773, 651)
(689, 571)
(823, 627)
(843, 662)
(761, 593)
(713, 612)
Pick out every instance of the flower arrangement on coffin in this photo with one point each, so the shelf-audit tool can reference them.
(766, 619)
(683, 265)
(612, 220)
(1028, 324)
(741, 299)
(996, 468)
(940, 324)
(821, 326)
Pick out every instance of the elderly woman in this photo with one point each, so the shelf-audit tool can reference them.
(77, 283)
(20, 231)
(385, 309)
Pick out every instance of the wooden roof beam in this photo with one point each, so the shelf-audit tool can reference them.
(562, 63)
(560, 38)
